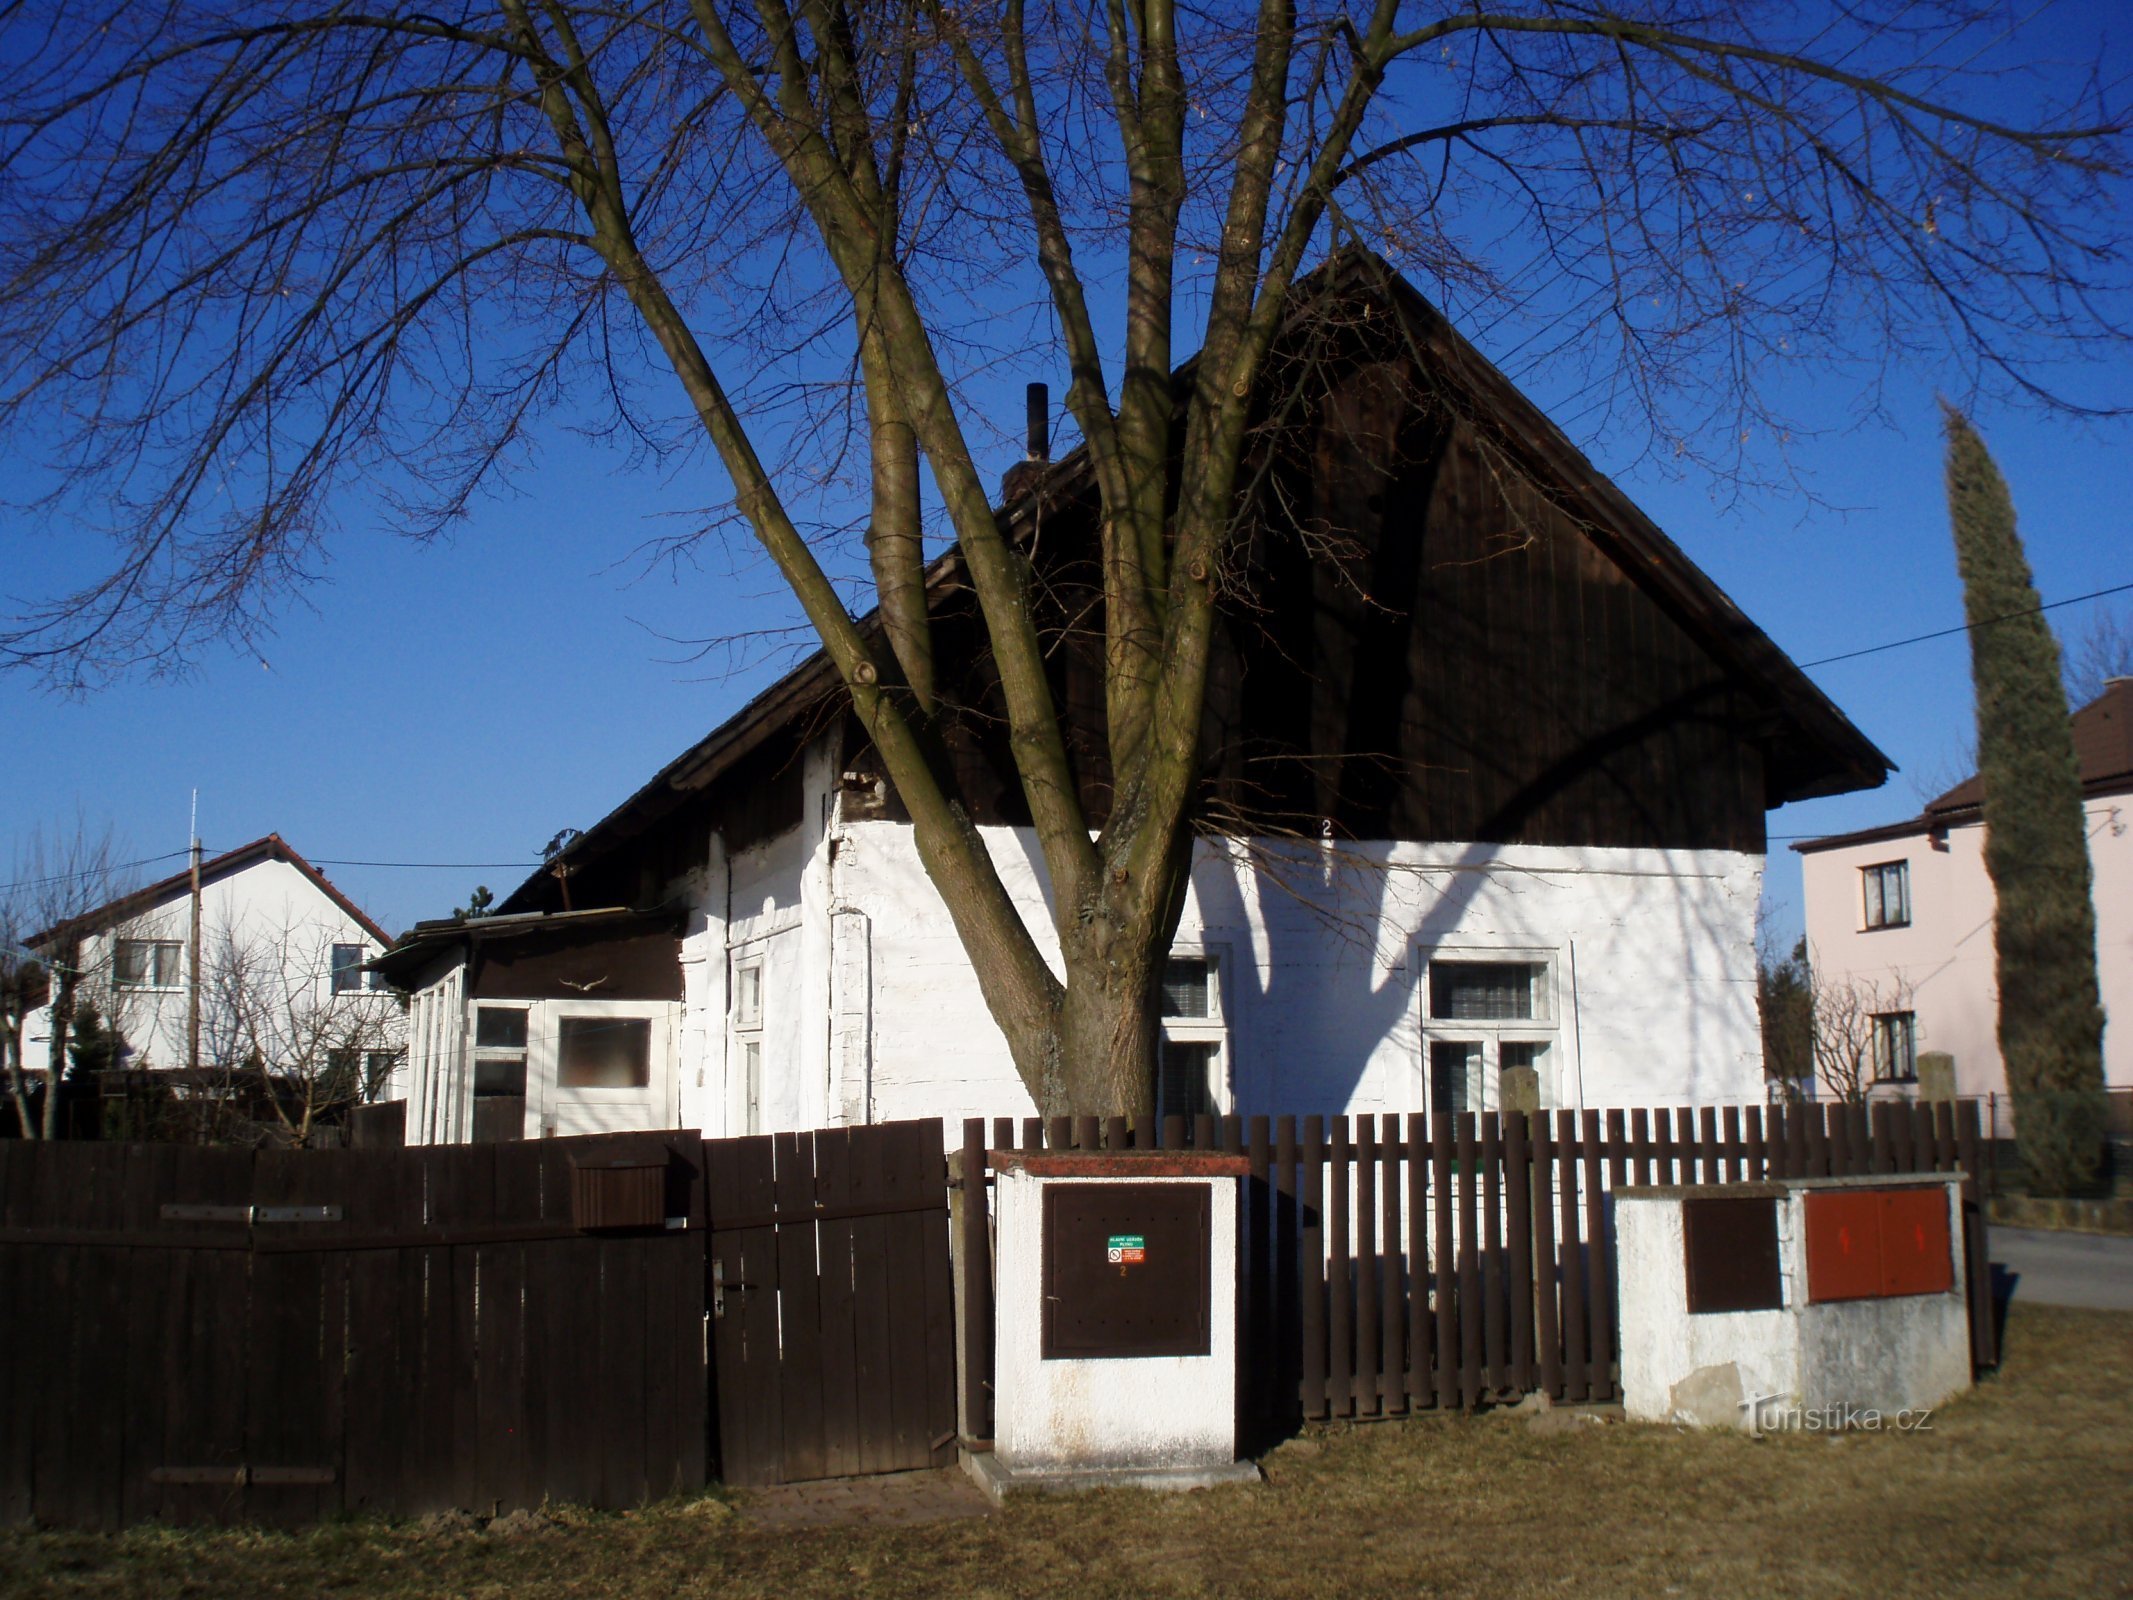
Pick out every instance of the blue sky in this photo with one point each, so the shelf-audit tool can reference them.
(461, 702)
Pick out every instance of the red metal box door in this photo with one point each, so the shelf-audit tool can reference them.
(1915, 1258)
(1844, 1245)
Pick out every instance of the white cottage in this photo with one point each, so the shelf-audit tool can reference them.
(1486, 790)
(269, 956)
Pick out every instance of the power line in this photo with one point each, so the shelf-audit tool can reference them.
(423, 866)
(1968, 627)
(93, 872)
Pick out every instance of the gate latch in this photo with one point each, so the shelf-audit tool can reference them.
(719, 1286)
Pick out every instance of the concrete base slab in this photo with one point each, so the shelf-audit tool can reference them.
(998, 1480)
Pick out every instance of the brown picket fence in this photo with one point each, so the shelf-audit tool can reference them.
(1394, 1264)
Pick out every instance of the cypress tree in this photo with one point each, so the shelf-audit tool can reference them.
(2036, 846)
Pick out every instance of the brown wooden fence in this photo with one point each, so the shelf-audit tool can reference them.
(193, 1334)
(1404, 1263)
(213, 1334)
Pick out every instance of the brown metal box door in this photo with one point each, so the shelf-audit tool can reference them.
(1730, 1249)
(1106, 1300)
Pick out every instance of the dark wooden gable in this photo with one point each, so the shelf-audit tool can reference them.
(1417, 644)
(1440, 623)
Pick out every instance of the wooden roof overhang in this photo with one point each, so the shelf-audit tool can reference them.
(1812, 747)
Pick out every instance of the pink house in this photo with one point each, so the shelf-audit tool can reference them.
(1905, 913)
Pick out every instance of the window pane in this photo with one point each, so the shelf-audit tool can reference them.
(747, 997)
(169, 969)
(603, 1052)
(752, 1083)
(1895, 1045)
(346, 959)
(1185, 986)
(132, 963)
(1522, 1053)
(1450, 1062)
(499, 1075)
(1185, 1084)
(500, 1028)
(1874, 915)
(1483, 991)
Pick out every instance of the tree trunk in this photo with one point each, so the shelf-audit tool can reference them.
(66, 975)
(18, 1086)
(1108, 1032)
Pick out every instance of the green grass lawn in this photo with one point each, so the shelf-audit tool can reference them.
(2024, 1487)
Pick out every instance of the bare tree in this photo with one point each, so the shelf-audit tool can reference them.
(50, 953)
(281, 1044)
(1857, 1022)
(251, 255)
(2100, 652)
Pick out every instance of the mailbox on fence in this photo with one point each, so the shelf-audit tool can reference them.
(1750, 1305)
(625, 1193)
(1116, 1320)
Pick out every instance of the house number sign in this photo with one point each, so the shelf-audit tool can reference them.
(1126, 1250)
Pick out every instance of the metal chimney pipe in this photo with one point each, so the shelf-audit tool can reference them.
(1039, 398)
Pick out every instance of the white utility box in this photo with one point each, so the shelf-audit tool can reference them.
(1115, 1356)
(1815, 1303)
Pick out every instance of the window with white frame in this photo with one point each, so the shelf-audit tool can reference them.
(747, 1009)
(1193, 1061)
(1485, 1013)
(1896, 1046)
(149, 964)
(348, 974)
(1887, 889)
(499, 1051)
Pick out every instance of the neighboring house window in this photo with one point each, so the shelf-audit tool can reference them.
(1896, 1046)
(1192, 1071)
(379, 1066)
(149, 964)
(1484, 1015)
(748, 1041)
(499, 1051)
(1888, 894)
(376, 1067)
(348, 974)
(603, 1052)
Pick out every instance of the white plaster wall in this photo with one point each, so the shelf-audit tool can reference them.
(1654, 955)
(1945, 955)
(268, 905)
(1148, 1412)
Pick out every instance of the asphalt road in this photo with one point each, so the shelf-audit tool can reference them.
(2066, 1269)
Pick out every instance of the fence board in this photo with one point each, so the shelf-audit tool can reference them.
(1469, 1306)
(1570, 1256)
(1518, 1246)
(1368, 1371)
(1311, 1200)
(1340, 1275)
(1547, 1328)
(1444, 1258)
(1599, 1293)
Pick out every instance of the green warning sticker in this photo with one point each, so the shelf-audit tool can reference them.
(1126, 1249)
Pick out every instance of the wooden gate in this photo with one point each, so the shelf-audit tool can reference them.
(214, 1335)
(833, 1323)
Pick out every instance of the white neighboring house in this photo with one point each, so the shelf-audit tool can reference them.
(282, 971)
(1904, 912)
(1549, 854)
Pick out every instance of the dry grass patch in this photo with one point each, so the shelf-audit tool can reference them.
(2024, 1487)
